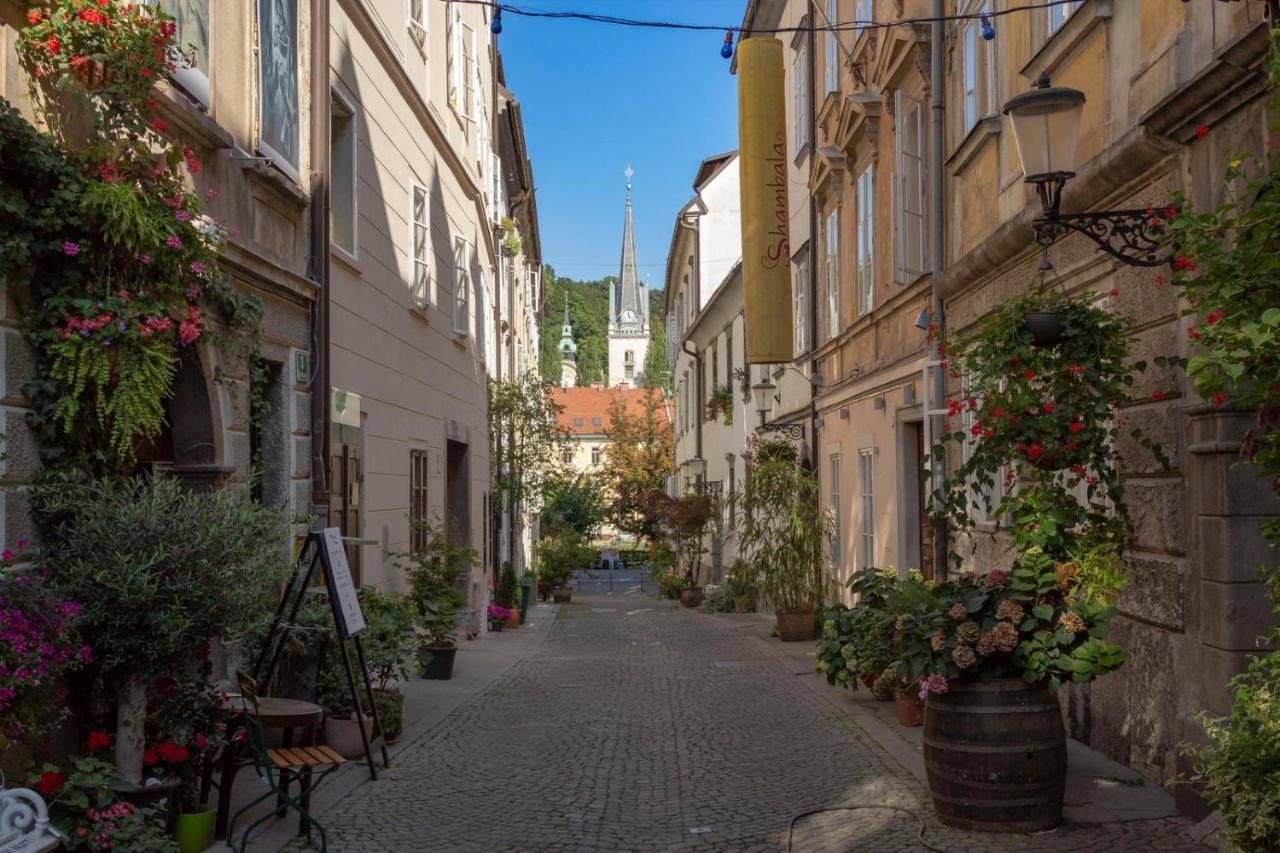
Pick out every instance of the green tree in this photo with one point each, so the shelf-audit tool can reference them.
(524, 440)
(589, 316)
(641, 452)
(657, 372)
(572, 502)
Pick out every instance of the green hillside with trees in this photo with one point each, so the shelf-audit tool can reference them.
(589, 315)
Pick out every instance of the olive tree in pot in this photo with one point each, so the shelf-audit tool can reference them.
(434, 570)
(558, 557)
(784, 534)
(161, 573)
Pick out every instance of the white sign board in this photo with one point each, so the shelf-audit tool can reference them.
(343, 587)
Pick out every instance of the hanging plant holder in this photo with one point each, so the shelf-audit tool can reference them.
(1047, 328)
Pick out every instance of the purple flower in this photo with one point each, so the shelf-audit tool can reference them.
(120, 325)
(173, 241)
(197, 267)
(86, 654)
(193, 293)
(70, 248)
(182, 216)
(21, 543)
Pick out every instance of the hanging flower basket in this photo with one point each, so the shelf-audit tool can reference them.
(1046, 327)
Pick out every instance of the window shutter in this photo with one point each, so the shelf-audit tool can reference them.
(469, 72)
(453, 56)
(461, 287)
(911, 243)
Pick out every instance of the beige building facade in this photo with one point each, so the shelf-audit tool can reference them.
(241, 105)
(1169, 86)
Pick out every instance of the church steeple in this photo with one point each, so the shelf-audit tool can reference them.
(629, 308)
(568, 351)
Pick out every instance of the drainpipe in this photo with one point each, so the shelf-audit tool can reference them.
(937, 96)
(811, 134)
(319, 382)
(697, 393)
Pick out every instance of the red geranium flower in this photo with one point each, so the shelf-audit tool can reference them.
(1202, 131)
(1213, 316)
(1182, 262)
(98, 740)
(1218, 398)
(1159, 395)
(34, 16)
(1049, 408)
(1075, 426)
(51, 782)
(52, 45)
(1028, 374)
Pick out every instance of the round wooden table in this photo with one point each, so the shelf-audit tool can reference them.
(274, 713)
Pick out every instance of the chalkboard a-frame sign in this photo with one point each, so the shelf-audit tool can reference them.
(326, 548)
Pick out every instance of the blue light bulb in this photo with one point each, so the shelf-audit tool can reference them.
(726, 49)
(988, 31)
(495, 26)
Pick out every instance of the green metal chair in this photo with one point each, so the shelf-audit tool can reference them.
(309, 765)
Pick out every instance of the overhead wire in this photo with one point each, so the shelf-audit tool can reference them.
(841, 26)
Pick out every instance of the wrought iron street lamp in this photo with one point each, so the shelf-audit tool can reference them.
(762, 393)
(1046, 127)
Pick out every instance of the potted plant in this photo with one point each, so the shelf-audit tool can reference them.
(85, 807)
(784, 535)
(183, 727)
(507, 594)
(720, 403)
(498, 616)
(389, 620)
(988, 660)
(40, 646)
(160, 572)
(684, 522)
(559, 556)
(433, 573)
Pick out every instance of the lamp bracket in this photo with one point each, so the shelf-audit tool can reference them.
(1133, 237)
(795, 432)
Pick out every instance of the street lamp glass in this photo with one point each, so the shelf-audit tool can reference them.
(1046, 128)
(762, 394)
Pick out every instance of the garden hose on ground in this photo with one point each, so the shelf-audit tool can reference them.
(791, 825)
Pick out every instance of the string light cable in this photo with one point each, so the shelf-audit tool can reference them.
(984, 17)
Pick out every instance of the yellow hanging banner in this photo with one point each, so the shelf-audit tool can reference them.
(762, 160)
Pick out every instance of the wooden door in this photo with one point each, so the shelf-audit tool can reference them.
(344, 500)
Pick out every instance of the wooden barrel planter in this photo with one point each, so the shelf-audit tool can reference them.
(996, 755)
(796, 626)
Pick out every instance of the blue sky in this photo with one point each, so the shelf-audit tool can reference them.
(595, 97)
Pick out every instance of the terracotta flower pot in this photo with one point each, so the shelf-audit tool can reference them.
(910, 709)
(691, 597)
(513, 621)
(796, 626)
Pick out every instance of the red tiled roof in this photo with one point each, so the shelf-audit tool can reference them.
(583, 407)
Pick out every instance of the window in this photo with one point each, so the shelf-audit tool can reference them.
(421, 246)
(419, 532)
(567, 454)
(866, 486)
(866, 260)
(728, 356)
(1058, 14)
(979, 76)
(833, 502)
(418, 22)
(461, 288)
(831, 49)
(597, 422)
(629, 371)
(461, 58)
(863, 13)
(800, 98)
(800, 303)
(577, 422)
(191, 64)
(629, 357)
(595, 455)
(278, 117)
(833, 272)
(342, 192)
(911, 243)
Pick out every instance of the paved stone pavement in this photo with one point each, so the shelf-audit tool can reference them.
(641, 726)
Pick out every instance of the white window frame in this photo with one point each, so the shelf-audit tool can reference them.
(867, 493)
(911, 243)
(800, 304)
(1059, 14)
(193, 79)
(831, 247)
(419, 251)
(831, 50)
(834, 504)
(863, 12)
(800, 99)
(978, 77)
(470, 72)
(354, 249)
(416, 21)
(865, 246)
(462, 256)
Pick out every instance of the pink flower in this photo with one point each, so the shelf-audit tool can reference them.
(70, 248)
(996, 577)
(197, 267)
(211, 193)
(182, 216)
(21, 543)
(6, 555)
(958, 611)
(173, 241)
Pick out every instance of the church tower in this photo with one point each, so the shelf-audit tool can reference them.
(628, 309)
(568, 352)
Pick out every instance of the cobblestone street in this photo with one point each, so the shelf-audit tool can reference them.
(641, 726)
